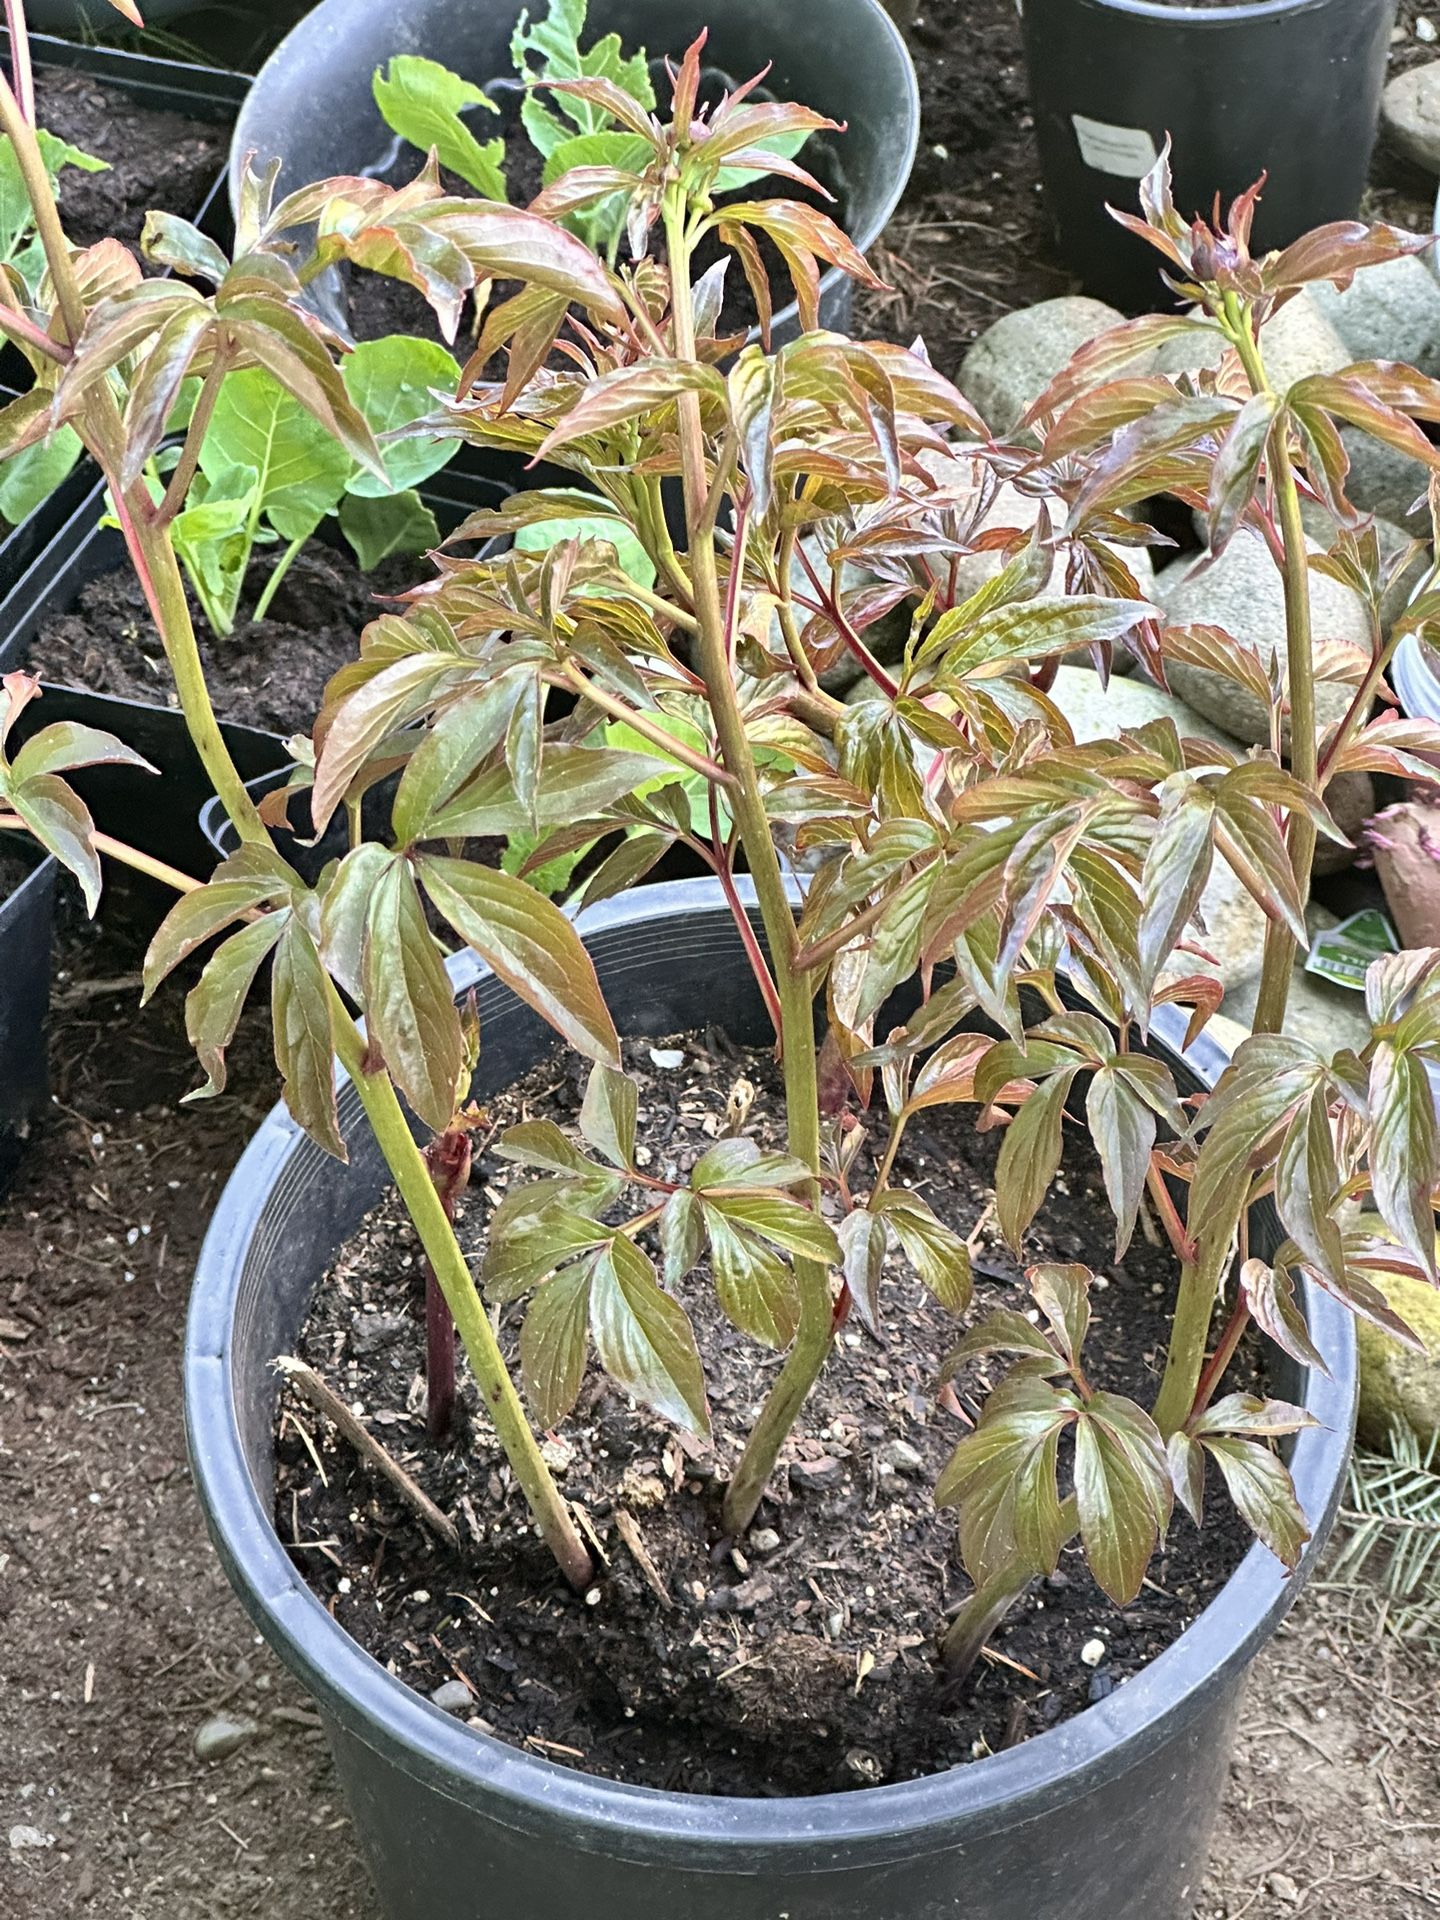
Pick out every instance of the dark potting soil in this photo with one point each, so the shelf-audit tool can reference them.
(269, 673)
(800, 1659)
(15, 867)
(160, 160)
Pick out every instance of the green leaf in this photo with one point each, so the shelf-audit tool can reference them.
(531, 946)
(1001, 1477)
(28, 478)
(1003, 1330)
(1123, 1128)
(304, 1045)
(377, 529)
(782, 1221)
(553, 1344)
(1259, 1483)
(237, 886)
(1030, 1157)
(410, 1007)
(592, 530)
(344, 911)
(525, 1248)
(607, 1114)
(755, 1287)
(644, 1338)
(864, 1237)
(60, 821)
(1248, 1413)
(422, 101)
(1123, 1491)
(214, 1004)
(1270, 1295)
(1177, 865)
(940, 1257)
(464, 735)
(1307, 1186)
(300, 468)
(392, 382)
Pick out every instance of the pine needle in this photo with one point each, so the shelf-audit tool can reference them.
(1388, 1534)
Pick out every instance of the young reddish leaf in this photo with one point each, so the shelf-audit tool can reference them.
(1003, 1330)
(797, 230)
(531, 946)
(1249, 838)
(1237, 466)
(1106, 354)
(644, 1338)
(1030, 1157)
(1259, 1483)
(168, 241)
(503, 243)
(1249, 1413)
(607, 1114)
(67, 744)
(741, 1163)
(1131, 466)
(682, 1235)
(630, 391)
(1002, 1479)
(1404, 1150)
(784, 1222)
(1096, 417)
(1352, 396)
(1307, 1186)
(526, 1247)
(938, 1255)
(1270, 1295)
(754, 385)
(214, 1004)
(1220, 652)
(1337, 252)
(1123, 1129)
(345, 910)
(755, 1287)
(1123, 1491)
(304, 1043)
(364, 718)
(554, 1342)
(410, 1007)
(1186, 1458)
(1266, 1082)
(1062, 1294)
(238, 886)
(1177, 866)
(59, 819)
(864, 1237)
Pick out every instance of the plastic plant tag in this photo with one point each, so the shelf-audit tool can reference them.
(1343, 953)
(1127, 152)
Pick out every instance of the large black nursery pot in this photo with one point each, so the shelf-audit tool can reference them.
(26, 918)
(1288, 87)
(1105, 1817)
(845, 58)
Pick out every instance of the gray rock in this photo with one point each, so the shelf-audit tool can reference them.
(1242, 592)
(1100, 713)
(223, 1734)
(901, 1457)
(373, 1332)
(1390, 311)
(1384, 481)
(1013, 361)
(765, 1540)
(23, 1837)
(452, 1696)
(1300, 340)
(808, 1475)
(1410, 114)
(1329, 1017)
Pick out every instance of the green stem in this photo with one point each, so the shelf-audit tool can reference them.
(277, 574)
(452, 1273)
(797, 1025)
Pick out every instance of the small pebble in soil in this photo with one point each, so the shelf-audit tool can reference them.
(21, 1837)
(223, 1734)
(807, 1475)
(1427, 31)
(1280, 1884)
(668, 1059)
(764, 1540)
(1102, 1685)
(902, 1457)
(1093, 1652)
(452, 1696)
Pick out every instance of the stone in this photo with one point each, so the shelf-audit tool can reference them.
(1098, 712)
(1329, 1017)
(1396, 1383)
(810, 1475)
(1390, 311)
(452, 1696)
(1410, 114)
(223, 1734)
(1300, 340)
(1282, 1887)
(901, 1457)
(765, 1540)
(1093, 1652)
(373, 1332)
(1384, 481)
(1013, 361)
(1243, 593)
(24, 1837)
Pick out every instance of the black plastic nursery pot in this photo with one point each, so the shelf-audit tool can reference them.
(1288, 87)
(845, 58)
(162, 816)
(1105, 1817)
(26, 916)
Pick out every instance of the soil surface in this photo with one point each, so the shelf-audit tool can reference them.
(268, 673)
(714, 1669)
(160, 160)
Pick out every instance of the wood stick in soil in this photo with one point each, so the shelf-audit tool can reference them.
(324, 1399)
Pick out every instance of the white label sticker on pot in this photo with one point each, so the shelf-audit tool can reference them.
(1127, 151)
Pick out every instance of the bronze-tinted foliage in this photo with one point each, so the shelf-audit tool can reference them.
(950, 828)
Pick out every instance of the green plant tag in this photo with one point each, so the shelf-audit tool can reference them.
(1344, 953)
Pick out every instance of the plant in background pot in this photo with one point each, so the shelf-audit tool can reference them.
(995, 918)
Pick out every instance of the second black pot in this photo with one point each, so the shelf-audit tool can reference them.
(26, 918)
(1288, 87)
(1106, 1817)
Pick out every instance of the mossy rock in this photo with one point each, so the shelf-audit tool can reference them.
(1396, 1383)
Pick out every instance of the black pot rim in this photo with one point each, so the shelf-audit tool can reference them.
(1240, 13)
(894, 1822)
(866, 234)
